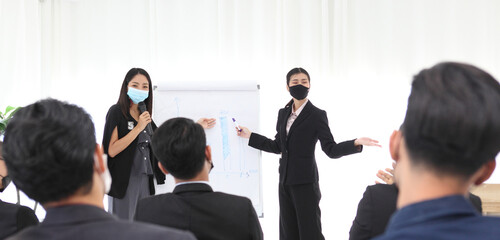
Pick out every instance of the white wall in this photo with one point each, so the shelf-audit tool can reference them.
(361, 55)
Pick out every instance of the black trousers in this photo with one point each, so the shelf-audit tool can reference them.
(300, 216)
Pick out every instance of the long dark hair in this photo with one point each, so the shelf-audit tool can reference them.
(124, 101)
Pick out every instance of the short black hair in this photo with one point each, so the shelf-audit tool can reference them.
(295, 71)
(452, 124)
(179, 144)
(49, 150)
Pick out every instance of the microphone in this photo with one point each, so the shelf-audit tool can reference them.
(142, 108)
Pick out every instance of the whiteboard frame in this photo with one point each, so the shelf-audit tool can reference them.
(214, 86)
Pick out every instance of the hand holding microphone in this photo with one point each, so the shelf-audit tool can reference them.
(147, 118)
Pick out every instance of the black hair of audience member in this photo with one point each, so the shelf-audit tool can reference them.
(295, 71)
(452, 124)
(179, 144)
(124, 101)
(49, 150)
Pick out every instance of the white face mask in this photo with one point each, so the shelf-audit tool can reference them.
(105, 176)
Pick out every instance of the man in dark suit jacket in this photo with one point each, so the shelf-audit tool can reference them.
(13, 217)
(52, 156)
(376, 208)
(300, 125)
(179, 144)
(447, 143)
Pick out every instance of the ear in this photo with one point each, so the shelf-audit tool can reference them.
(485, 172)
(287, 88)
(208, 153)
(394, 144)
(99, 163)
(162, 168)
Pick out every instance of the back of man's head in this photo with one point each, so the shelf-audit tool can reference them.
(452, 124)
(49, 150)
(179, 144)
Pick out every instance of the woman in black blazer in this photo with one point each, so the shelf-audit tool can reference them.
(300, 125)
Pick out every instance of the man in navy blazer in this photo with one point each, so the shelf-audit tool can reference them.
(179, 144)
(447, 143)
(51, 153)
(376, 208)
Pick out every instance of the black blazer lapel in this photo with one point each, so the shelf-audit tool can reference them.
(284, 119)
(302, 116)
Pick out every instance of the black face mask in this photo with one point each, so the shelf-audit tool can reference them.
(299, 92)
(5, 182)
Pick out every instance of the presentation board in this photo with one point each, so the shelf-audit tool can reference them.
(236, 165)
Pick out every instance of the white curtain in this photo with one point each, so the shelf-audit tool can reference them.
(361, 55)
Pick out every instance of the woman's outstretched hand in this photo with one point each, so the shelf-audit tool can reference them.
(206, 123)
(366, 142)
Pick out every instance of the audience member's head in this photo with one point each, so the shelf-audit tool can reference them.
(452, 124)
(51, 152)
(180, 146)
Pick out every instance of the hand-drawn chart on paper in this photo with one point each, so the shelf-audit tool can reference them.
(236, 165)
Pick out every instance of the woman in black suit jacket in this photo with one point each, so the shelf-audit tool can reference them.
(300, 125)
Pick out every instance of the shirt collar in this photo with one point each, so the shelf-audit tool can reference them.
(298, 111)
(190, 182)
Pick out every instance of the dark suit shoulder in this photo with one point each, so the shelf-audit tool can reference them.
(147, 201)
(235, 198)
(209, 195)
(231, 196)
(102, 230)
(26, 217)
(137, 230)
(15, 218)
(374, 211)
(384, 193)
(390, 188)
(8, 208)
(208, 214)
(282, 111)
(312, 109)
(5, 206)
